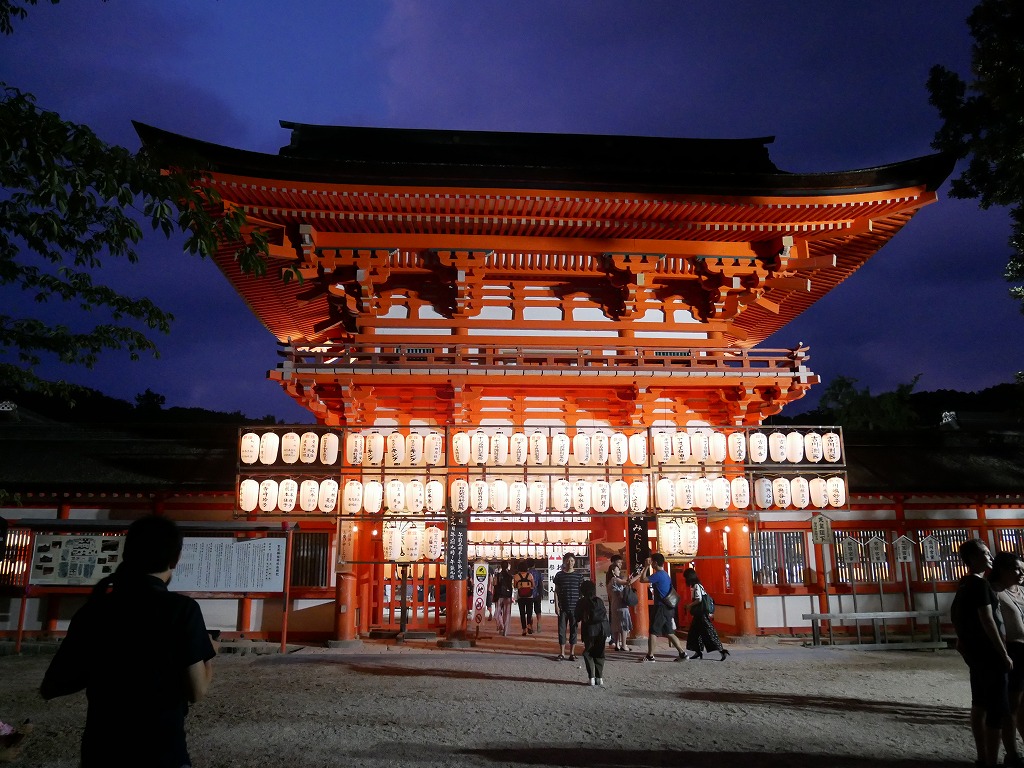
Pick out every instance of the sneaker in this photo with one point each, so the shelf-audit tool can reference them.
(648, 657)
(592, 681)
(600, 681)
(682, 657)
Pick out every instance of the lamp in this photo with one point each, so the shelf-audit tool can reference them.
(777, 447)
(433, 446)
(499, 495)
(328, 497)
(268, 495)
(287, 494)
(309, 495)
(290, 447)
(560, 449)
(394, 496)
(414, 447)
(638, 448)
(248, 494)
(740, 489)
(355, 445)
(460, 448)
(758, 444)
(249, 448)
(460, 495)
(618, 449)
(269, 443)
(396, 449)
(794, 447)
(600, 496)
(499, 449)
(375, 449)
(519, 448)
(433, 494)
(538, 448)
(599, 448)
(737, 447)
(415, 496)
(832, 447)
(352, 498)
(373, 496)
(581, 447)
(434, 543)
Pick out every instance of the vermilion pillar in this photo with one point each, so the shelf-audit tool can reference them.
(742, 578)
(455, 605)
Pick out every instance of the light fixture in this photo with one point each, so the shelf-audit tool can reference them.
(727, 529)
(707, 529)
(746, 528)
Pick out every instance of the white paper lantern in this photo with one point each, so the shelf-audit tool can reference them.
(561, 495)
(415, 496)
(737, 447)
(328, 497)
(685, 496)
(814, 448)
(394, 496)
(395, 446)
(355, 448)
(309, 495)
(560, 444)
(459, 495)
(392, 543)
(290, 447)
(601, 496)
(599, 448)
(518, 497)
(794, 447)
(498, 491)
(479, 447)
(620, 495)
(777, 447)
(249, 448)
(581, 447)
(819, 492)
(499, 449)
(460, 448)
(249, 492)
(662, 447)
(800, 492)
(638, 496)
(638, 448)
(670, 538)
(763, 493)
(780, 491)
(582, 496)
(433, 493)
(434, 543)
(479, 496)
(519, 448)
(618, 449)
(700, 447)
(538, 497)
(375, 449)
(269, 443)
(309, 447)
(287, 494)
(681, 446)
(328, 449)
(721, 493)
(433, 448)
(702, 493)
(740, 492)
(268, 495)
(836, 489)
(414, 448)
(665, 493)
(352, 497)
(758, 443)
(719, 449)
(538, 448)
(412, 543)
(373, 497)
(832, 447)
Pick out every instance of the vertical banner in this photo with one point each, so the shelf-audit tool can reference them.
(456, 550)
(346, 545)
(639, 546)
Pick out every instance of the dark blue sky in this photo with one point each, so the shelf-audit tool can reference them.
(840, 85)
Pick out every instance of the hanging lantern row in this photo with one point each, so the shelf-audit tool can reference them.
(411, 542)
(699, 446)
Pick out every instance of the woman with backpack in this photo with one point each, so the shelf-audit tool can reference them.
(502, 586)
(702, 632)
(594, 627)
(523, 584)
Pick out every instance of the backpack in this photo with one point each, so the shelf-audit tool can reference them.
(595, 612)
(707, 603)
(503, 584)
(524, 587)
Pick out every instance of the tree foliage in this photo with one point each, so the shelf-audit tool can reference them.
(843, 404)
(983, 120)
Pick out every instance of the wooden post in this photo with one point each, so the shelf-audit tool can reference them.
(742, 578)
(345, 607)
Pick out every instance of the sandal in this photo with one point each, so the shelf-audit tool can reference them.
(572, 657)
(561, 657)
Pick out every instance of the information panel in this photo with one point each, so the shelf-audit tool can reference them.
(457, 548)
(230, 565)
(65, 559)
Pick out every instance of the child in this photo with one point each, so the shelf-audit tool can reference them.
(593, 617)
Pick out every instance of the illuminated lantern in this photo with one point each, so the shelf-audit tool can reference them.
(780, 490)
(638, 496)
(777, 447)
(434, 543)
(836, 490)
(375, 449)
(538, 448)
(499, 495)
(499, 449)
(355, 448)
(665, 494)
(479, 495)
(740, 492)
(460, 495)
(670, 538)
(249, 448)
(538, 496)
(309, 447)
(328, 448)
(582, 448)
(287, 494)
(373, 496)
(800, 492)
(719, 449)
(290, 447)
(582, 496)
(638, 448)
(832, 447)
(601, 496)
(414, 496)
(700, 447)
(561, 495)
(721, 493)
(309, 495)
(620, 495)
(599, 448)
(763, 492)
(819, 492)
(328, 497)
(460, 448)
(758, 443)
(352, 497)
(433, 494)
(560, 449)
(519, 448)
(268, 495)
(662, 447)
(681, 446)
(737, 447)
(702, 494)
(794, 447)
(518, 497)
(412, 542)
(269, 443)
(685, 496)
(433, 447)
(814, 448)
(248, 494)
(414, 447)
(394, 496)
(396, 449)
(618, 449)
(392, 543)
(479, 447)
(688, 537)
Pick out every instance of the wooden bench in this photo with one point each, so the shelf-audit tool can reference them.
(878, 619)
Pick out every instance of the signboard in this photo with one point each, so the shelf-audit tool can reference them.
(479, 592)
(65, 559)
(850, 549)
(346, 545)
(876, 550)
(639, 547)
(821, 529)
(930, 549)
(230, 565)
(456, 550)
(904, 547)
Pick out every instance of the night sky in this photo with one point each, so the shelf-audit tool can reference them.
(841, 85)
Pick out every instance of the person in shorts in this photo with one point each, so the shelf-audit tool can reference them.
(662, 618)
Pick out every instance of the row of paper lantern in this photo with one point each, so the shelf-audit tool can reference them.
(518, 497)
(413, 543)
(600, 448)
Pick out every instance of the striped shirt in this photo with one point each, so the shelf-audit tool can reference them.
(567, 589)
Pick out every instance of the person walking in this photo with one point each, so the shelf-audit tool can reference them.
(593, 617)
(567, 593)
(661, 614)
(523, 584)
(540, 592)
(618, 609)
(1005, 577)
(702, 635)
(502, 588)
